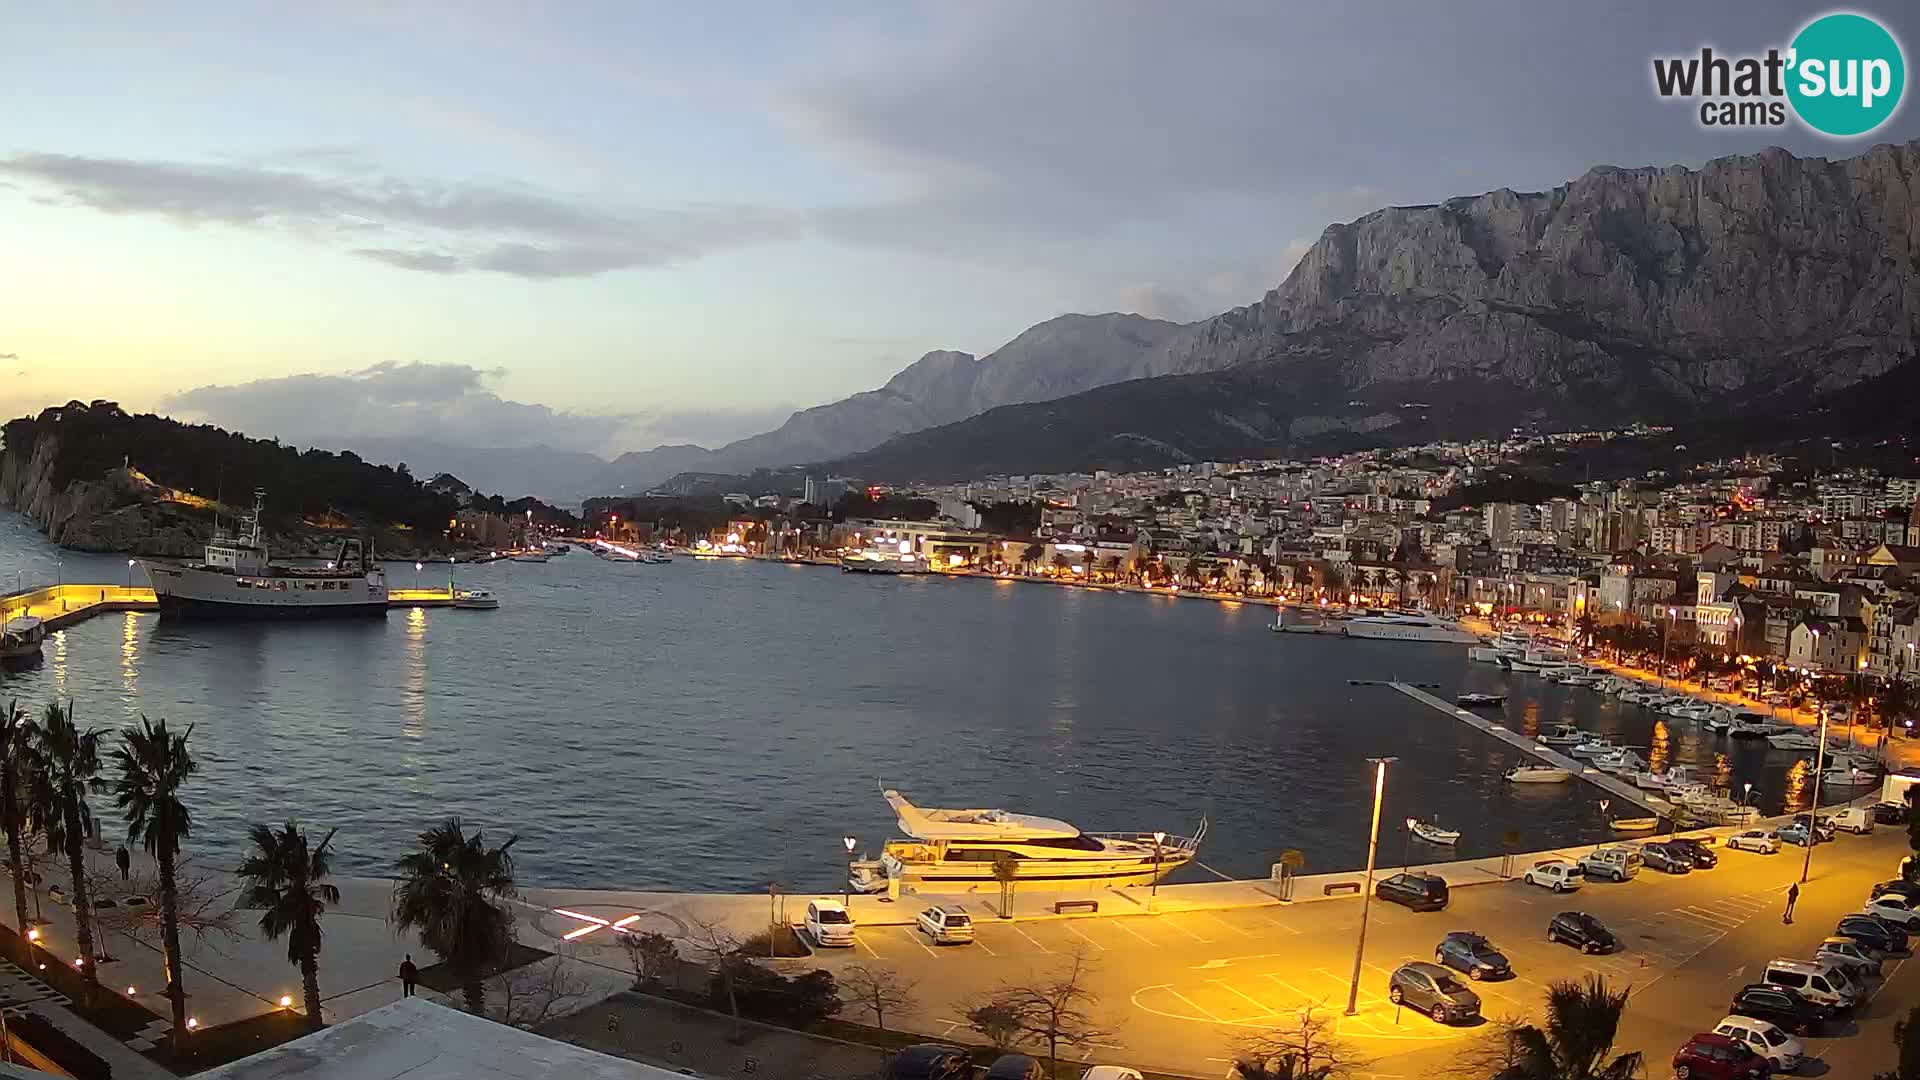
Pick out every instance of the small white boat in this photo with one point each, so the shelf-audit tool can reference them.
(1537, 774)
(530, 556)
(1649, 781)
(1432, 833)
(867, 876)
(1635, 824)
(1793, 740)
(1485, 654)
(1521, 665)
(1848, 778)
(1564, 735)
(20, 638)
(476, 599)
(1473, 701)
(1622, 761)
(1594, 746)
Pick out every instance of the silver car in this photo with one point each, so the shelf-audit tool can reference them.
(1433, 990)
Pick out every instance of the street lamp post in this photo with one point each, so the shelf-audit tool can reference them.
(1153, 891)
(1813, 810)
(416, 577)
(1664, 637)
(129, 573)
(1745, 798)
(1366, 901)
(847, 892)
(1604, 803)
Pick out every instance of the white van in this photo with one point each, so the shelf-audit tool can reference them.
(1614, 862)
(1819, 982)
(1853, 819)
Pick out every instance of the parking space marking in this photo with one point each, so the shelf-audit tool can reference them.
(1265, 1009)
(1304, 996)
(982, 946)
(1273, 917)
(1217, 919)
(1075, 931)
(1121, 924)
(1711, 918)
(915, 938)
(1192, 1005)
(1029, 938)
(861, 942)
(1189, 933)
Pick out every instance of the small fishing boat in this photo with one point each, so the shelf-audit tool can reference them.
(1594, 746)
(1478, 701)
(1537, 774)
(1635, 824)
(21, 636)
(1431, 832)
(476, 599)
(1564, 735)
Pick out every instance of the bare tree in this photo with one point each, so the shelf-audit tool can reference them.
(205, 902)
(547, 990)
(1492, 1052)
(997, 1022)
(716, 947)
(1304, 1048)
(1054, 1010)
(653, 956)
(877, 990)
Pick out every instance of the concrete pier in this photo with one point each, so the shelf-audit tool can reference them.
(60, 606)
(1612, 785)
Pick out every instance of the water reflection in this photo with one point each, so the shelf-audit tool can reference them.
(413, 698)
(1799, 781)
(129, 651)
(1657, 749)
(60, 664)
(1530, 719)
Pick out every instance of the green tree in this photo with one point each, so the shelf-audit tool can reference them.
(15, 729)
(64, 770)
(1583, 1018)
(286, 878)
(1033, 554)
(1006, 868)
(449, 892)
(154, 765)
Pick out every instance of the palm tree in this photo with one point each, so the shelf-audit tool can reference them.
(448, 892)
(1582, 1020)
(154, 765)
(64, 768)
(15, 727)
(287, 881)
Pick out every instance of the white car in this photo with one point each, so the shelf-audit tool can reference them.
(829, 924)
(1760, 840)
(1895, 909)
(1110, 1072)
(945, 925)
(1556, 874)
(1764, 1039)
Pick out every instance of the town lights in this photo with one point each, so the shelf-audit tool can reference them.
(286, 1000)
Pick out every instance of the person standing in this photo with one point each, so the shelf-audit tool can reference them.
(1793, 894)
(124, 860)
(408, 976)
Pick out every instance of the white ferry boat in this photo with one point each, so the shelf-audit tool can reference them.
(884, 558)
(239, 581)
(953, 850)
(1394, 627)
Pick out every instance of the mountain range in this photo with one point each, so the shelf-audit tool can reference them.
(1756, 282)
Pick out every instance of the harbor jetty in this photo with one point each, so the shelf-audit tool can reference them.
(61, 606)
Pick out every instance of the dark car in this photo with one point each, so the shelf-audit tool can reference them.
(1889, 813)
(1823, 827)
(1420, 892)
(1908, 889)
(1433, 990)
(1015, 1067)
(1473, 955)
(1873, 932)
(1702, 855)
(1782, 1007)
(1666, 860)
(930, 1061)
(1799, 835)
(1582, 931)
(1716, 1057)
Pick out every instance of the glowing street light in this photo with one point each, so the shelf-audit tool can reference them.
(847, 890)
(1813, 810)
(1366, 901)
(1153, 891)
(286, 1001)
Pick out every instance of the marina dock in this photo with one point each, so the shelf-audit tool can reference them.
(61, 606)
(1612, 785)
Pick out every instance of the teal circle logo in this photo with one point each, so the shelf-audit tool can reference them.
(1847, 75)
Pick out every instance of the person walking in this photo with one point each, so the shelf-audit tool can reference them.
(408, 976)
(1793, 894)
(124, 860)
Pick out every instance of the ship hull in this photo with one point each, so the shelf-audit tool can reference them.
(188, 592)
(182, 607)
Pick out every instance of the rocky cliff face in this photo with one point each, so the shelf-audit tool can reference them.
(98, 515)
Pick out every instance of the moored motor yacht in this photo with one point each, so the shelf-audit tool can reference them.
(1537, 774)
(1473, 701)
(20, 637)
(1621, 760)
(1564, 734)
(957, 849)
(475, 599)
(1593, 746)
(239, 580)
(1414, 627)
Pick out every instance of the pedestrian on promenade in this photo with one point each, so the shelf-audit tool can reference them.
(124, 860)
(1793, 894)
(408, 976)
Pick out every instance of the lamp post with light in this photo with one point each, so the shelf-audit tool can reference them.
(1366, 897)
(1813, 809)
(1672, 612)
(847, 892)
(416, 577)
(129, 573)
(1153, 891)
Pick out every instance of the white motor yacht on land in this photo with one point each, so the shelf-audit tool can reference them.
(1401, 627)
(1537, 774)
(1431, 832)
(954, 849)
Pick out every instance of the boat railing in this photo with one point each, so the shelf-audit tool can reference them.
(1167, 841)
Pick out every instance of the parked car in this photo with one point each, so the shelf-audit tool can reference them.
(829, 924)
(1889, 813)
(1472, 954)
(1823, 825)
(1698, 850)
(1556, 874)
(1015, 1067)
(1895, 909)
(1874, 932)
(1778, 1047)
(1419, 892)
(1858, 959)
(1715, 1057)
(1760, 840)
(945, 925)
(1908, 889)
(1854, 819)
(1111, 1072)
(1780, 1006)
(1615, 861)
(930, 1061)
(1666, 859)
(1795, 834)
(1582, 931)
(1822, 984)
(1433, 990)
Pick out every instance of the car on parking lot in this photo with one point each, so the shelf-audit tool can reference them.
(1895, 909)
(1874, 932)
(1818, 982)
(1015, 1067)
(1473, 955)
(1111, 1072)
(1419, 892)
(1778, 1047)
(1582, 931)
(1760, 840)
(930, 1061)
(945, 925)
(1857, 958)
(1798, 835)
(829, 924)
(1615, 862)
(1889, 813)
(1908, 889)
(1699, 851)
(1823, 825)
(1853, 819)
(1715, 1057)
(1665, 859)
(1780, 1006)
(1433, 990)
(1556, 874)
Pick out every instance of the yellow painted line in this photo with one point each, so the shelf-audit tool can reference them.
(861, 942)
(1189, 933)
(1195, 1006)
(1217, 919)
(1120, 924)
(1075, 931)
(1266, 1010)
(915, 938)
(1029, 938)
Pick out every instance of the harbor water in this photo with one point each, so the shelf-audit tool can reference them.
(717, 724)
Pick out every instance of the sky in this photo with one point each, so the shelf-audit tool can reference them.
(601, 226)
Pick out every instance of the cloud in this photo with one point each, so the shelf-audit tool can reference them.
(9, 356)
(440, 228)
(447, 403)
